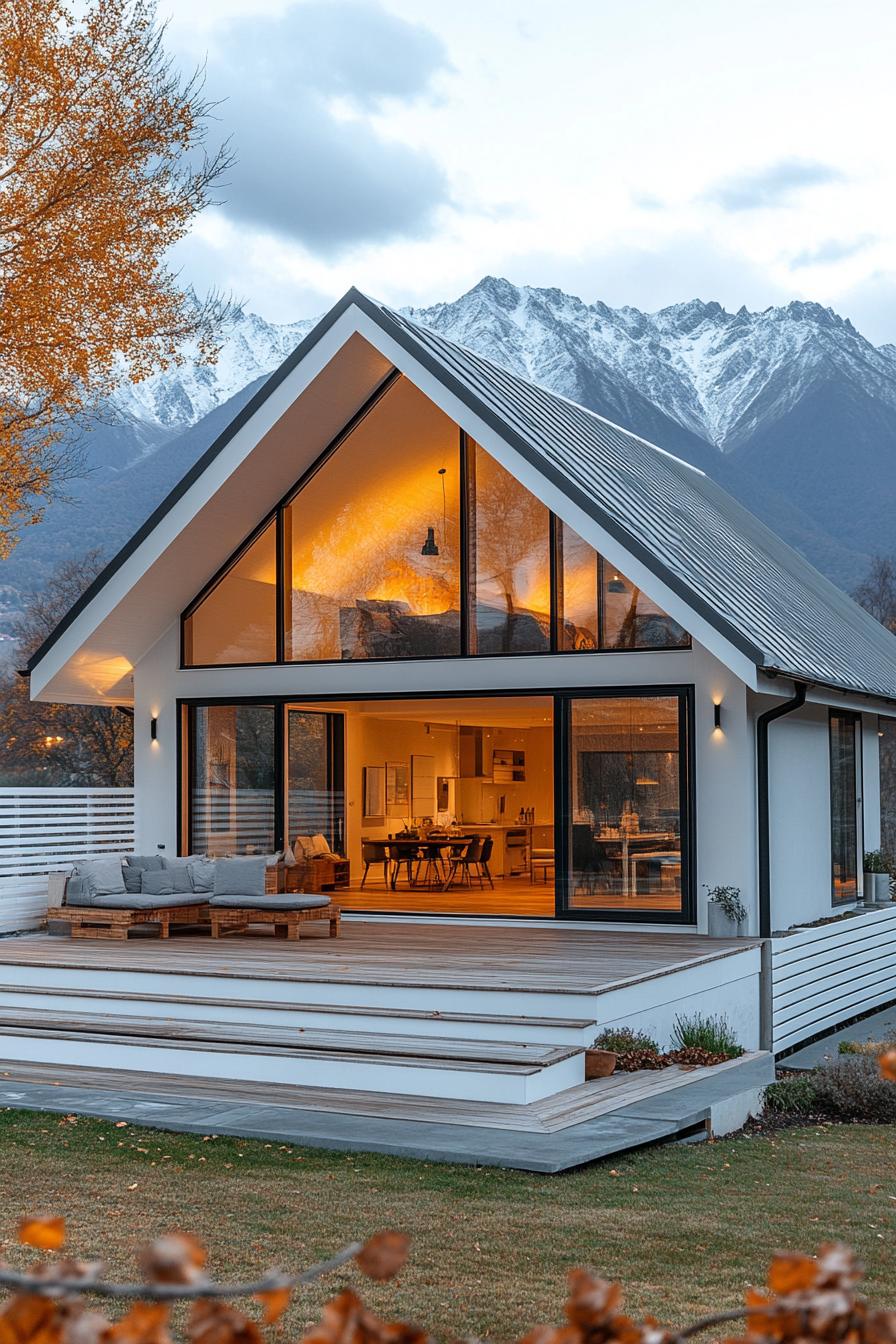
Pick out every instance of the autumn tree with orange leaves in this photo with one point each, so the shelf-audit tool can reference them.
(103, 166)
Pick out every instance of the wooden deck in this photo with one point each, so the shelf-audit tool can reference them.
(556, 960)
(574, 1106)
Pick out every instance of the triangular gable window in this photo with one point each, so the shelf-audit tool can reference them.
(409, 540)
(235, 621)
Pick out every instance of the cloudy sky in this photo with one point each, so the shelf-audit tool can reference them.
(635, 151)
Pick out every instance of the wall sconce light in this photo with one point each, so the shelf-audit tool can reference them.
(154, 728)
(717, 714)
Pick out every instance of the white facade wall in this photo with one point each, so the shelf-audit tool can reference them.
(800, 815)
(725, 785)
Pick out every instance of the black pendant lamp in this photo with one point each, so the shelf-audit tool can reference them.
(429, 546)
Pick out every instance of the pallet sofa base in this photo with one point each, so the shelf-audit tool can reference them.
(287, 923)
(87, 921)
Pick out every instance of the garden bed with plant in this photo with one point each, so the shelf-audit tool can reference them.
(848, 1087)
(697, 1042)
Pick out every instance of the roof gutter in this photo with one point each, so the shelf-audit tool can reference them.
(797, 700)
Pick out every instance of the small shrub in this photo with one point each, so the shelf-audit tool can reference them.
(729, 900)
(850, 1087)
(622, 1040)
(792, 1096)
(875, 862)
(706, 1032)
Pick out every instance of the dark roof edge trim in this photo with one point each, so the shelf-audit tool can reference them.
(218, 445)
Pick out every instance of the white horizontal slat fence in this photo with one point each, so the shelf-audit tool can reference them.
(822, 977)
(47, 830)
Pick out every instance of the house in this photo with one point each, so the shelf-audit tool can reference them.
(406, 584)
(406, 589)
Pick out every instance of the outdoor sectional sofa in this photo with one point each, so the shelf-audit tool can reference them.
(105, 898)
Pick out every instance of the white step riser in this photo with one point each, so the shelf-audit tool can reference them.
(298, 1019)
(493, 999)
(455, 1084)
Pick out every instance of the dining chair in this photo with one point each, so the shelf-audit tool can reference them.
(374, 853)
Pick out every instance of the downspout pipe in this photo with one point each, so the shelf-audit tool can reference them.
(797, 700)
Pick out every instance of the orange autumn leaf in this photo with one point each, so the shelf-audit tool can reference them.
(28, 1318)
(275, 1301)
(145, 1323)
(792, 1273)
(383, 1255)
(175, 1258)
(888, 1065)
(46, 1234)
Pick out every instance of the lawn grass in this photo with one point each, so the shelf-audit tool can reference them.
(686, 1228)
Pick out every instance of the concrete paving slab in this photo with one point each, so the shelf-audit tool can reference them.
(876, 1027)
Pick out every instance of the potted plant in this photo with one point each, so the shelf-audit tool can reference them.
(599, 1063)
(876, 878)
(727, 914)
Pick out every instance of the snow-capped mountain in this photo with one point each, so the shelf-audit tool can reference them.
(722, 375)
(176, 399)
(790, 409)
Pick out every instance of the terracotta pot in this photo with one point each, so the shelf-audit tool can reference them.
(599, 1063)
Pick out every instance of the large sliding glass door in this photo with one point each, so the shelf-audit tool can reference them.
(629, 814)
(578, 805)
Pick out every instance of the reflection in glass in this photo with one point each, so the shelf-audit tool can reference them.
(236, 621)
(509, 562)
(626, 805)
(578, 581)
(372, 540)
(844, 808)
(887, 744)
(632, 621)
(232, 779)
(315, 798)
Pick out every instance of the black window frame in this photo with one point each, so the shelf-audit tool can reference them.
(562, 701)
(466, 458)
(855, 719)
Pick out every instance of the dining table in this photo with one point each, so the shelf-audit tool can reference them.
(409, 849)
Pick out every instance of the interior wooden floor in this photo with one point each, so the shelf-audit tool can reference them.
(511, 896)
(553, 959)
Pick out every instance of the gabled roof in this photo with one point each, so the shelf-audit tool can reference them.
(761, 595)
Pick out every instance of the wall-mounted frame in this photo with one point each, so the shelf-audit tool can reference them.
(398, 789)
(374, 792)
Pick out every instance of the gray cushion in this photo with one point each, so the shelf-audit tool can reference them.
(292, 902)
(180, 860)
(77, 893)
(132, 878)
(202, 874)
(146, 901)
(152, 862)
(168, 882)
(104, 877)
(240, 877)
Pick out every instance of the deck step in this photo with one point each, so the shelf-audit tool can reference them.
(445, 1067)
(432, 1022)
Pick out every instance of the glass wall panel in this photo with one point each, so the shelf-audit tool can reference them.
(372, 545)
(844, 808)
(233, 779)
(237, 621)
(887, 744)
(632, 621)
(578, 585)
(510, 567)
(315, 799)
(626, 807)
